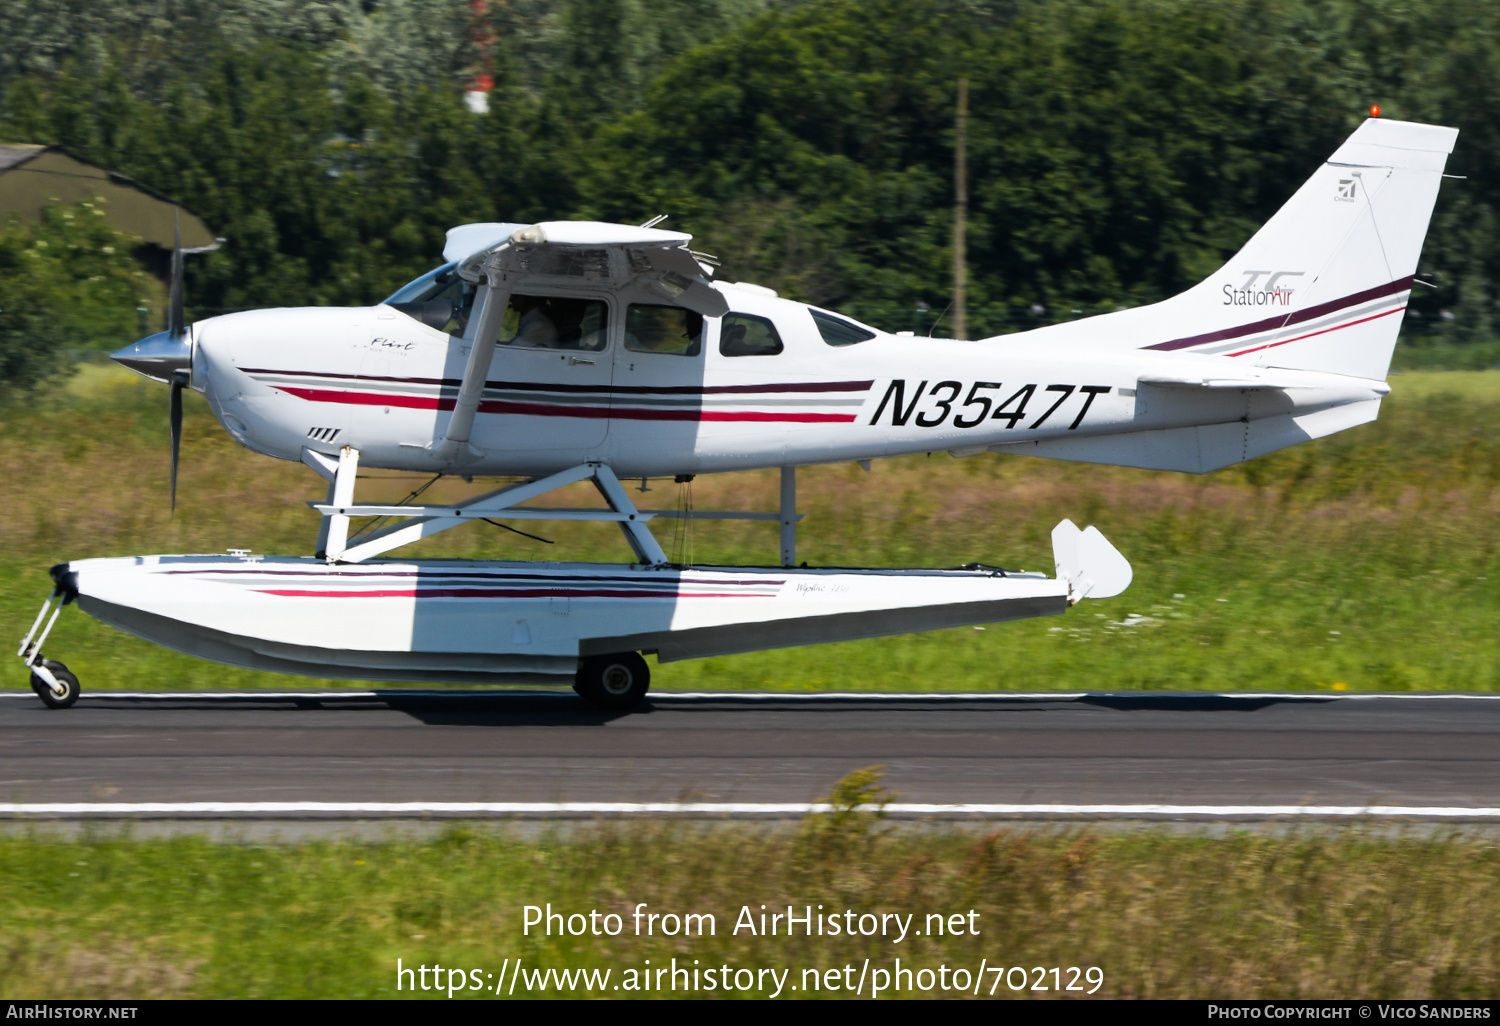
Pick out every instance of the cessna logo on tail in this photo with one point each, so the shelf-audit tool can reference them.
(1252, 293)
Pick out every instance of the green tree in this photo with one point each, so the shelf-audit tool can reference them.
(1119, 149)
(68, 283)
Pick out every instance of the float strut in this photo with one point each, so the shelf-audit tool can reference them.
(788, 516)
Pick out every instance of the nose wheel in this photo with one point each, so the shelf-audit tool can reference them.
(64, 677)
(616, 683)
(53, 682)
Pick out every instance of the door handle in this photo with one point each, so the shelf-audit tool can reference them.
(575, 361)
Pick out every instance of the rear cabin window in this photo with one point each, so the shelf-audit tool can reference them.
(748, 335)
(555, 322)
(838, 332)
(663, 329)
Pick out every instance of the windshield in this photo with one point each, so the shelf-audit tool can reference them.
(440, 299)
(419, 288)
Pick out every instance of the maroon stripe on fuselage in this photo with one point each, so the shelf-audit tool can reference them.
(785, 386)
(1324, 331)
(627, 413)
(417, 402)
(1286, 320)
(539, 386)
(455, 382)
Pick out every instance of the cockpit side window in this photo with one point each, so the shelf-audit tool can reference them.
(439, 299)
(663, 329)
(555, 322)
(838, 332)
(748, 335)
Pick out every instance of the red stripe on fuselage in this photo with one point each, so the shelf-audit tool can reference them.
(629, 413)
(1310, 334)
(497, 406)
(411, 402)
(542, 386)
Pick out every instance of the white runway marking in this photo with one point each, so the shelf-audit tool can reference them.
(188, 809)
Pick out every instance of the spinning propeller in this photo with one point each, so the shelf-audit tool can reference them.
(166, 356)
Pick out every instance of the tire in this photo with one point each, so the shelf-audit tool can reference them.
(65, 678)
(616, 683)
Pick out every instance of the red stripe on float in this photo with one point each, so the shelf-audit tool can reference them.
(496, 593)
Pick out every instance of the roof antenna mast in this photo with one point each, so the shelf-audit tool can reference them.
(961, 212)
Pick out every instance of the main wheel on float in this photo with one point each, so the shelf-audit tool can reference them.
(613, 682)
(65, 677)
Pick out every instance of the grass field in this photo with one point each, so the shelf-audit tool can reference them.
(1349, 915)
(1365, 561)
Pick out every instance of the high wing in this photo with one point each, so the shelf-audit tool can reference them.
(468, 239)
(616, 253)
(613, 254)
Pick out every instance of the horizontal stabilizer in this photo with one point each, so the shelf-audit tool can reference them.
(1194, 381)
(1271, 378)
(1200, 448)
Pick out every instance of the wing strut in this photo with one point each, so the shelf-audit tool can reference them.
(453, 449)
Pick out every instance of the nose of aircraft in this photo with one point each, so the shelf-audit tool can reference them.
(157, 356)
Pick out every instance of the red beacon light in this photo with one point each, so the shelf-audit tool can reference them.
(1374, 110)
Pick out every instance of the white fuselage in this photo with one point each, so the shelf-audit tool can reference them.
(281, 381)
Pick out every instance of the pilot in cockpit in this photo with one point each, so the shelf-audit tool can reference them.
(663, 329)
(534, 327)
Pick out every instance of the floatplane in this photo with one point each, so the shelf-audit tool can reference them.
(575, 351)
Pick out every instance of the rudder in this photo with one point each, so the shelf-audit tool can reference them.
(1324, 284)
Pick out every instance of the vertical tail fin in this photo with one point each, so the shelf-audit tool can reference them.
(1324, 284)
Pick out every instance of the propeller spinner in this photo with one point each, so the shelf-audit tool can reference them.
(166, 356)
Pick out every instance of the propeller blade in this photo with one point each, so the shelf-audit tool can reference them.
(175, 415)
(174, 288)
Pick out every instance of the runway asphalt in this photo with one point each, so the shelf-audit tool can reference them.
(401, 746)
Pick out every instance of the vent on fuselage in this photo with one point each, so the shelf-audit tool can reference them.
(323, 434)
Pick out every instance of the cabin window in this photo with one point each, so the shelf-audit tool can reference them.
(748, 335)
(663, 329)
(554, 322)
(838, 332)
